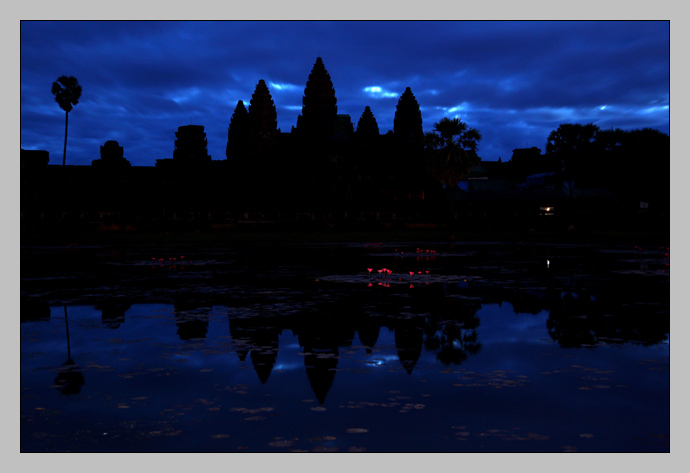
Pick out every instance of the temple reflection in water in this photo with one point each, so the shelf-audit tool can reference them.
(446, 326)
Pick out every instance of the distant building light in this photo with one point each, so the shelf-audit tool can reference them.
(547, 211)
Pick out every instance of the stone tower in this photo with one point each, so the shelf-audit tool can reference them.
(262, 120)
(190, 145)
(319, 109)
(367, 126)
(407, 124)
(112, 156)
(238, 132)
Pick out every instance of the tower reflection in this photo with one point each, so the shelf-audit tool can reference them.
(113, 313)
(257, 337)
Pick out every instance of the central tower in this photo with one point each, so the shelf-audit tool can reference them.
(319, 109)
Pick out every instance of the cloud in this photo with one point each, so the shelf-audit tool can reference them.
(377, 92)
(283, 87)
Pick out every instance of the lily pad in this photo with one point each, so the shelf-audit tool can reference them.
(356, 449)
(357, 430)
(324, 449)
(281, 443)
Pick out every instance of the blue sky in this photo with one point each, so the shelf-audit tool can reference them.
(515, 81)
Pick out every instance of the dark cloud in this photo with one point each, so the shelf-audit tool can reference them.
(514, 81)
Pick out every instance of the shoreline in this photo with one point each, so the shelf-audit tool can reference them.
(326, 236)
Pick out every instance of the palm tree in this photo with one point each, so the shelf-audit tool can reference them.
(451, 151)
(67, 92)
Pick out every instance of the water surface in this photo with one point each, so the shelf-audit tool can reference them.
(483, 348)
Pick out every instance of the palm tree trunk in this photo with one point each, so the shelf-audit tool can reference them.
(64, 150)
(69, 355)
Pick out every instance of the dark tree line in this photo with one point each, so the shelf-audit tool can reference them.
(634, 163)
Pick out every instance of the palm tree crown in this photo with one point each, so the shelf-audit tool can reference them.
(67, 92)
(452, 150)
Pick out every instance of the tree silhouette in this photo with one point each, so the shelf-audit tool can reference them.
(572, 145)
(570, 137)
(649, 167)
(67, 92)
(636, 163)
(452, 150)
(451, 153)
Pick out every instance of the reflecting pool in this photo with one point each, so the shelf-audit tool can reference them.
(346, 348)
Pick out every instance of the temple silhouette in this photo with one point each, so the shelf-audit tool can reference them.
(325, 172)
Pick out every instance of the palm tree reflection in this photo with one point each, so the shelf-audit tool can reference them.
(70, 378)
(451, 331)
